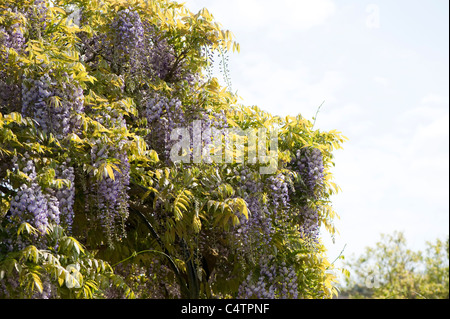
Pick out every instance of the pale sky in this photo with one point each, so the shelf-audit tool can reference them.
(382, 69)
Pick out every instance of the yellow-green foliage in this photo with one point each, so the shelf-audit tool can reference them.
(201, 202)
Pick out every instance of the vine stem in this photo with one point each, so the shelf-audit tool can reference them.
(317, 112)
(184, 288)
(339, 254)
(141, 252)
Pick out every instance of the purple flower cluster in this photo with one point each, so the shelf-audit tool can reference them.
(37, 14)
(163, 115)
(109, 197)
(39, 101)
(11, 38)
(272, 281)
(309, 221)
(161, 56)
(309, 163)
(65, 195)
(279, 191)
(258, 228)
(31, 204)
(9, 287)
(160, 108)
(49, 290)
(127, 38)
(138, 47)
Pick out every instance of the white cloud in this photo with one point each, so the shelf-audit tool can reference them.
(381, 80)
(437, 130)
(284, 90)
(301, 14)
(261, 14)
(395, 179)
(435, 99)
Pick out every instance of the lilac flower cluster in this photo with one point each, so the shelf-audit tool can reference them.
(212, 122)
(272, 281)
(127, 38)
(34, 96)
(309, 220)
(161, 55)
(309, 163)
(37, 15)
(49, 290)
(9, 287)
(108, 197)
(139, 47)
(161, 59)
(279, 191)
(31, 204)
(163, 115)
(65, 195)
(9, 89)
(12, 38)
(258, 228)
(160, 108)
(37, 103)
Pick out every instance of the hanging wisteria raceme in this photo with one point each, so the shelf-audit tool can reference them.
(65, 195)
(309, 163)
(135, 47)
(279, 191)
(11, 38)
(161, 57)
(36, 16)
(213, 126)
(108, 195)
(308, 219)
(272, 281)
(163, 115)
(31, 204)
(34, 96)
(55, 106)
(128, 33)
(258, 227)
(49, 290)
(9, 287)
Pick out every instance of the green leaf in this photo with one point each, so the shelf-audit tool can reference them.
(109, 171)
(26, 227)
(37, 282)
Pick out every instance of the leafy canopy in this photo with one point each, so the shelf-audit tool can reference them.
(91, 204)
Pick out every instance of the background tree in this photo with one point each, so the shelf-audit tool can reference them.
(90, 92)
(391, 270)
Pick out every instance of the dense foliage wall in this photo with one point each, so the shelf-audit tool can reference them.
(94, 201)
